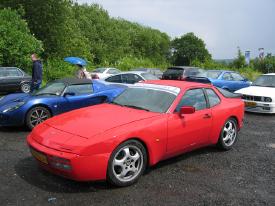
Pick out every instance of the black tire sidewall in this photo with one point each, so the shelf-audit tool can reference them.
(111, 178)
(221, 142)
(27, 119)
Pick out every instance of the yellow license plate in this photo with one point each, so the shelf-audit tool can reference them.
(39, 156)
(250, 104)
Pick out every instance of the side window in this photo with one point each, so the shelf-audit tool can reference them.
(116, 79)
(227, 76)
(237, 77)
(80, 89)
(13, 72)
(133, 78)
(212, 97)
(194, 98)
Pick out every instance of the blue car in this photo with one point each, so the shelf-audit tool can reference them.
(228, 80)
(55, 98)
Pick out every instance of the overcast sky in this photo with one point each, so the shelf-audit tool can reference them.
(222, 24)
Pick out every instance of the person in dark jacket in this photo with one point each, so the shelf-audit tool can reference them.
(37, 71)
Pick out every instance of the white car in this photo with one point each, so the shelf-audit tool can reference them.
(130, 77)
(102, 73)
(260, 96)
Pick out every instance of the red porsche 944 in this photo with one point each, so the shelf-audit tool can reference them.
(147, 123)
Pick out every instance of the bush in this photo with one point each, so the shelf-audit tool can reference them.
(16, 42)
(56, 69)
(131, 62)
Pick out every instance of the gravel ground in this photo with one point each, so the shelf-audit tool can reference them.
(242, 176)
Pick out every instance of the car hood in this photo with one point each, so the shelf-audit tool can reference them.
(20, 97)
(90, 121)
(257, 91)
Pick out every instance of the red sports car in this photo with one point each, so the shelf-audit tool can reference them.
(147, 123)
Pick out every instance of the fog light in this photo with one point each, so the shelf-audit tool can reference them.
(59, 163)
(267, 99)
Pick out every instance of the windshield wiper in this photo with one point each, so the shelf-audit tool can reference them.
(136, 107)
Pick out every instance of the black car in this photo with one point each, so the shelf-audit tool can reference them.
(181, 72)
(13, 79)
(155, 71)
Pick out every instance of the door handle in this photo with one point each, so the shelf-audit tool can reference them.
(206, 116)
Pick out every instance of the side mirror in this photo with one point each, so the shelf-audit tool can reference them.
(186, 110)
(69, 94)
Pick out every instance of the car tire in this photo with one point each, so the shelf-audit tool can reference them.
(228, 135)
(25, 87)
(37, 115)
(127, 163)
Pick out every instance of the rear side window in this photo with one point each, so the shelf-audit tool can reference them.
(194, 98)
(116, 78)
(212, 97)
(2, 73)
(13, 73)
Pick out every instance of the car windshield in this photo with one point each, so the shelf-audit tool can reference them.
(99, 70)
(213, 74)
(149, 76)
(54, 88)
(265, 81)
(153, 100)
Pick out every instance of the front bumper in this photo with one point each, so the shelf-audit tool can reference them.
(83, 168)
(259, 107)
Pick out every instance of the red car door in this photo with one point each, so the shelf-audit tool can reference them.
(192, 129)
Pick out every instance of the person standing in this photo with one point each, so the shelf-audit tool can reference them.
(37, 70)
(82, 72)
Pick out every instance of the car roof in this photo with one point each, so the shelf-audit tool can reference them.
(73, 81)
(269, 74)
(133, 72)
(9, 68)
(218, 70)
(183, 67)
(176, 83)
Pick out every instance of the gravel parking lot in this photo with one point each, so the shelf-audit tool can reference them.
(242, 176)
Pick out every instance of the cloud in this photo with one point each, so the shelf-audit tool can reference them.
(222, 24)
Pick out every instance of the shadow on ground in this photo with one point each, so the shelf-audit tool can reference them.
(29, 171)
(14, 129)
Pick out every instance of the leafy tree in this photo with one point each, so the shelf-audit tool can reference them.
(52, 21)
(187, 48)
(239, 62)
(16, 42)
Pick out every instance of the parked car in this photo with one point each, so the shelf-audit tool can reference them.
(131, 77)
(181, 72)
(55, 98)
(260, 96)
(147, 123)
(228, 80)
(156, 72)
(13, 79)
(102, 73)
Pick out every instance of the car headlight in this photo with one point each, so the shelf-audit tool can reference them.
(267, 99)
(12, 108)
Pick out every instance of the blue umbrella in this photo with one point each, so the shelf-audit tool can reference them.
(75, 60)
